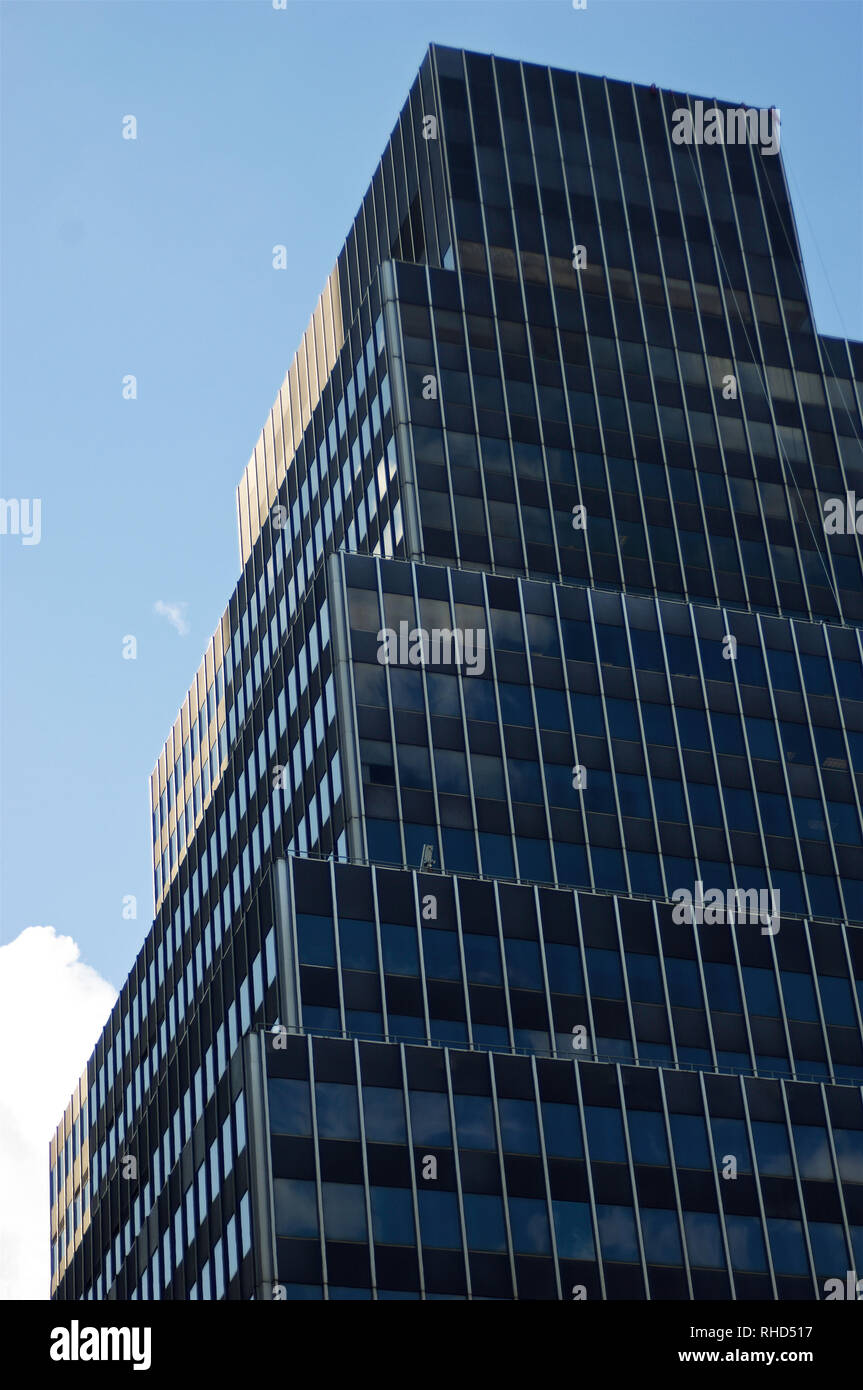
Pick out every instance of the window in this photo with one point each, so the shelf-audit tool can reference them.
(488, 779)
(849, 1154)
(440, 951)
(730, 1140)
(828, 1247)
(474, 1121)
(528, 1217)
(439, 1222)
(296, 1207)
(400, 951)
(316, 940)
(647, 1137)
(617, 1237)
(722, 989)
(357, 944)
(669, 799)
(245, 1224)
(518, 1126)
(484, 1222)
(337, 1113)
(786, 1246)
(384, 1115)
(564, 969)
(813, 1152)
(604, 973)
(290, 1106)
(661, 1235)
(524, 969)
(645, 981)
(799, 995)
(689, 1136)
(605, 1139)
(703, 1240)
(746, 1242)
(562, 1129)
(344, 1211)
(227, 1146)
(482, 957)
(837, 999)
(430, 1118)
(392, 1215)
(573, 1231)
(761, 993)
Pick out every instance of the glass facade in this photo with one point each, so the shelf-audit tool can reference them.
(430, 1172)
(610, 742)
(484, 964)
(540, 613)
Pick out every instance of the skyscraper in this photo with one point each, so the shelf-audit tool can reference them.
(507, 848)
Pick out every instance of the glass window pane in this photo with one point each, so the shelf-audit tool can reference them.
(528, 1218)
(518, 1126)
(617, 1236)
(647, 1137)
(344, 1211)
(786, 1246)
(400, 949)
(440, 952)
(730, 1141)
(430, 1118)
(703, 1240)
(484, 1222)
(689, 1136)
(482, 958)
(813, 1152)
(296, 1207)
(772, 1148)
(849, 1153)
(746, 1242)
(316, 940)
(524, 969)
(474, 1122)
(605, 1140)
(290, 1106)
(604, 973)
(439, 1223)
(393, 1215)
(828, 1248)
(564, 969)
(384, 1113)
(573, 1231)
(661, 1235)
(357, 945)
(562, 1129)
(338, 1115)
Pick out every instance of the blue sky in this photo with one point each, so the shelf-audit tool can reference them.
(153, 257)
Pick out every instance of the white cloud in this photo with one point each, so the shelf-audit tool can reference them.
(175, 613)
(52, 1010)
